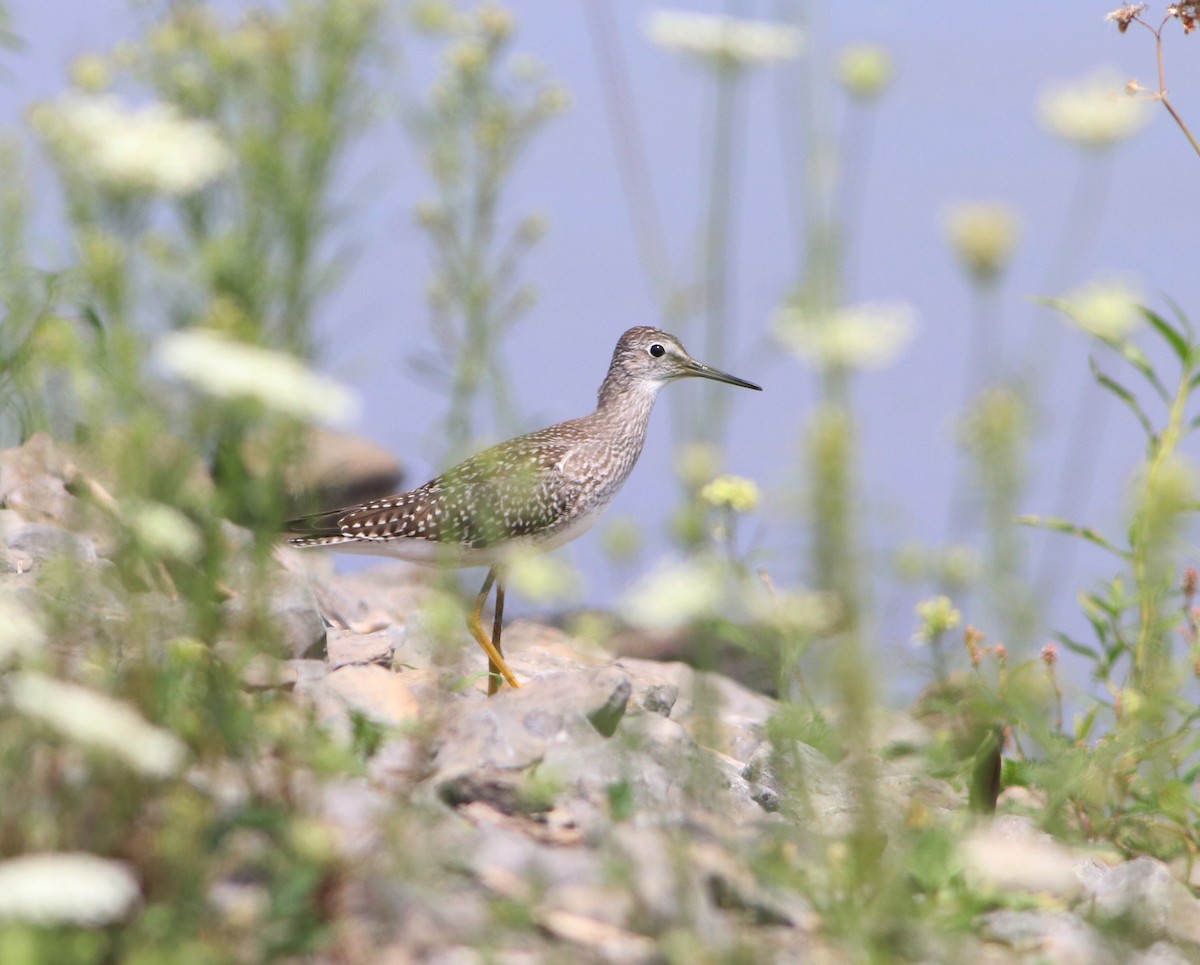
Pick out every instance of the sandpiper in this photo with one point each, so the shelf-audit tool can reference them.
(537, 491)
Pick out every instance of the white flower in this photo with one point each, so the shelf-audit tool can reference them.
(1008, 858)
(1093, 113)
(152, 149)
(66, 888)
(229, 369)
(983, 234)
(865, 70)
(727, 41)
(675, 594)
(165, 531)
(541, 578)
(20, 631)
(1110, 308)
(98, 721)
(799, 614)
(868, 336)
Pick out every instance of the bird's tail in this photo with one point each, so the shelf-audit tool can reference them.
(319, 529)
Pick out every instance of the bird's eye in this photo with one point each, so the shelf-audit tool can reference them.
(657, 350)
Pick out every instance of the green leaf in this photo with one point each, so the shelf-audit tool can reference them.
(1184, 323)
(1058, 525)
(1179, 344)
(1017, 773)
(1123, 394)
(1076, 647)
(1084, 730)
(1141, 362)
(986, 768)
(92, 317)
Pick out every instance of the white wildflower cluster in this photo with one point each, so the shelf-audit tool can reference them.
(725, 41)
(229, 369)
(868, 336)
(1108, 308)
(98, 721)
(674, 594)
(66, 888)
(1093, 113)
(165, 531)
(152, 149)
(983, 234)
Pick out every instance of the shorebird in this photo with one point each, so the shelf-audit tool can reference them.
(537, 491)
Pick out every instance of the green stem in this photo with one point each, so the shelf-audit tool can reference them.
(716, 248)
(1140, 538)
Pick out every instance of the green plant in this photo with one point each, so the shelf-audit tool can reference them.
(1135, 789)
(480, 116)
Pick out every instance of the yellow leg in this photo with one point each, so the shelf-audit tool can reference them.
(475, 625)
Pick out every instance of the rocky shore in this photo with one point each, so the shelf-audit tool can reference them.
(613, 809)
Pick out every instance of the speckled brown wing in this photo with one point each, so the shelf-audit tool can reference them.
(500, 494)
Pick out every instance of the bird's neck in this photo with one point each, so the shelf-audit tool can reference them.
(626, 403)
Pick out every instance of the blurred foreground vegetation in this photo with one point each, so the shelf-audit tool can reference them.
(169, 355)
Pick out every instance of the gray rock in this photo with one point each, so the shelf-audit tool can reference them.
(800, 781)
(375, 692)
(1160, 953)
(294, 610)
(339, 469)
(483, 751)
(25, 546)
(267, 673)
(660, 698)
(33, 480)
(345, 647)
(1046, 936)
(1146, 899)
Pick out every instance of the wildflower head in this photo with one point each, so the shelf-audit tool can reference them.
(868, 336)
(66, 888)
(674, 594)
(1125, 15)
(1092, 114)
(937, 615)
(1186, 13)
(164, 531)
(1050, 655)
(1191, 578)
(1109, 309)
(226, 368)
(983, 235)
(731, 492)
(152, 149)
(724, 42)
(972, 639)
(865, 71)
(91, 73)
(996, 425)
(98, 721)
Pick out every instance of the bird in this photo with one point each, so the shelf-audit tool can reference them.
(534, 492)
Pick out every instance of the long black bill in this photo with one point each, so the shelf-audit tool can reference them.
(700, 370)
